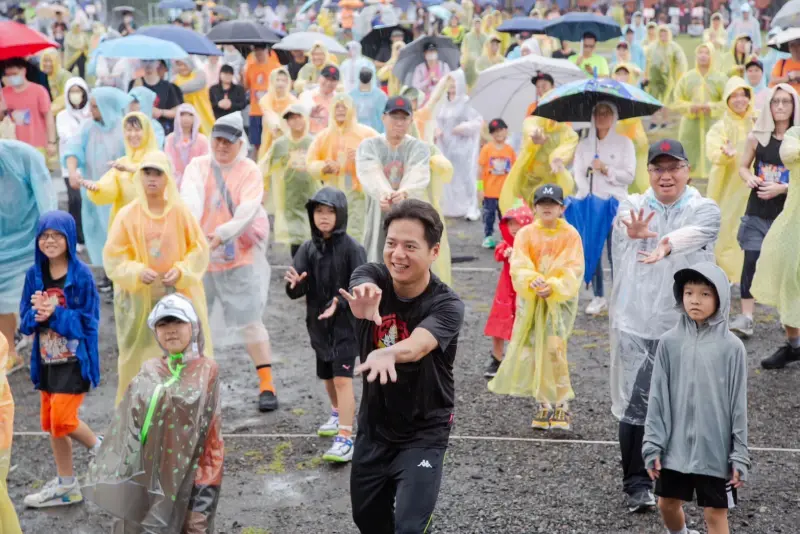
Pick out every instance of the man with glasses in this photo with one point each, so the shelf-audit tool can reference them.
(593, 64)
(668, 228)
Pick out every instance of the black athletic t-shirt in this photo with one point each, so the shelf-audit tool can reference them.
(768, 167)
(168, 96)
(417, 410)
(60, 370)
(559, 54)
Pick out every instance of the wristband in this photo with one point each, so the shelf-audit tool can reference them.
(480, 185)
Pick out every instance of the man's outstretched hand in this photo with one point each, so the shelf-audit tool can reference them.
(379, 363)
(365, 302)
(638, 227)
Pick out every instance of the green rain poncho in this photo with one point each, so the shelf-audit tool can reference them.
(695, 88)
(777, 279)
(666, 63)
(724, 185)
(291, 185)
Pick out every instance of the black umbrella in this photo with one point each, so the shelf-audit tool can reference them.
(414, 53)
(377, 44)
(242, 32)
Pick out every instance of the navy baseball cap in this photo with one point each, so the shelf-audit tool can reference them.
(667, 147)
(549, 192)
(330, 72)
(398, 103)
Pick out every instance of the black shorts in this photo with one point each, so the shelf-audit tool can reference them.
(712, 492)
(340, 367)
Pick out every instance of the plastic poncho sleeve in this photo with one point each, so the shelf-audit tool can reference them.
(193, 191)
(715, 140)
(118, 258)
(247, 210)
(702, 230)
(194, 264)
(564, 279)
(194, 83)
(9, 522)
(108, 189)
(658, 425)
(315, 162)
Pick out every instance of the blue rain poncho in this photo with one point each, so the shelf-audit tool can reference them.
(369, 107)
(147, 101)
(351, 67)
(97, 145)
(26, 193)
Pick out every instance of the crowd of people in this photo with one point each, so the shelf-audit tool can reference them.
(181, 174)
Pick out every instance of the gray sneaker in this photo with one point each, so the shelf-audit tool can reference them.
(742, 326)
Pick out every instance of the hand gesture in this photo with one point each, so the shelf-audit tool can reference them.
(292, 278)
(328, 313)
(542, 288)
(638, 226)
(538, 137)
(770, 190)
(661, 251)
(398, 196)
(225, 103)
(171, 277)
(148, 276)
(655, 472)
(120, 166)
(752, 181)
(75, 179)
(736, 481)
(507, 252)
(88, 185)
(379, 363)
(365, 302)
(556, 166)
(728, 149)
(386, 204)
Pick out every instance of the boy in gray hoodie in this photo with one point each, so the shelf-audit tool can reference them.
(695, 437)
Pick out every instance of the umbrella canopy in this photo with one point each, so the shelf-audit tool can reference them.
(377, 43)
(455, 9)
(305, 40)
(223, 11)
(140, 47)
(428, 3)
(592, 218)
(522, 24)
(185, 5)
(507, 90)
(575, 101)
(572, 27)
(308, 5)
(787, 16)
(782, 40)
(189, 40)
(440, 12)
(17, 40)
(124, 9)
(413, 54)
(242, 32)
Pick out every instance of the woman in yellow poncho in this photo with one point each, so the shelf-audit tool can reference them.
(117, 187)
(666, 63)
(155, 246)
(717, 35)
(192, 82)
(9, 523)
(725, 144)
(318, 57)
(491, 54)
(385, 73)
(698, 98)
(737, 57)
(454, 30)
(76, 50)
(273, 104)
(651, 37)
(57, 78)
(332, 159)
(633, 129)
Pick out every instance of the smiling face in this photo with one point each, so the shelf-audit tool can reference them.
(133, 135)
(47, 65)
(406, 253)
(182, 68)
(340, 113)
(53, 244)
(739, 100)
(154, 182)
(326, 85)
(318, 57)
(668, 178)
(174, 335)
(324, 218)
(699, 301)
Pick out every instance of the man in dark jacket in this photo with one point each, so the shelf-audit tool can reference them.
(226, 96)
(322, 266)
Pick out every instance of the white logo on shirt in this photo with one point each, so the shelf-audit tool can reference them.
(426, 464)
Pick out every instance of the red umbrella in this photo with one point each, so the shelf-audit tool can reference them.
(17, 40)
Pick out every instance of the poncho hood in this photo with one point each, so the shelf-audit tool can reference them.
(734, 84)
(334, 198)
(112, 104)
(765, 124)
(149, 142)
(146, 99)
(522, 214)
(63, 223)
(716, 276)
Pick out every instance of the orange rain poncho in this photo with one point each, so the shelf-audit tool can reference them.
(536, 362)
(140, 239)
(9, 523)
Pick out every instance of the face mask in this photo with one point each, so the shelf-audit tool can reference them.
(365, 77)
(16, 80)
(76, 99)
(432, 56)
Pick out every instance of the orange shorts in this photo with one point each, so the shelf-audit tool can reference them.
(59, 412)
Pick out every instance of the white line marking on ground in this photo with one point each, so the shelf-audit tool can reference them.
(454, 269)
(545, 441)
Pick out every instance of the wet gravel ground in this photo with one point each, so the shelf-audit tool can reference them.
(495, 480)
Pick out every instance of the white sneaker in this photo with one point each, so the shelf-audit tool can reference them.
(53, 494)
(597, 306)
(330, 428)
(341, 451)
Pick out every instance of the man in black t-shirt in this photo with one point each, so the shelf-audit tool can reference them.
(407, 324)
(168, 95)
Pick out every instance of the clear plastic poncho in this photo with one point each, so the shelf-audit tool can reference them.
(159, 469)
(725, 187)
(9, 523)
(536, 364)
(140, 239)
(27, 192)
(460, 126)
(777, 279)
(642, 306)
(273, 107)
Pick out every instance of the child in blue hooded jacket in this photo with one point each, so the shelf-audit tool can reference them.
(60, 308)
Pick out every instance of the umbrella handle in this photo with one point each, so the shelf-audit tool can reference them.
(590, 174)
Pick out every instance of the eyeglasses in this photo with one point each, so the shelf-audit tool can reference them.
(672, 169)
(778, 102)
(55, 236)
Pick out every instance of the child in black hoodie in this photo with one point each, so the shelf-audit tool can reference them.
(322, 266)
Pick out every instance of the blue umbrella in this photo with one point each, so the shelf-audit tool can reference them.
(191, 41)
(522, 24)
(184, 5)
(308, 5)
(493, 3)
(428, 3)
(572, 27)
(141, 47)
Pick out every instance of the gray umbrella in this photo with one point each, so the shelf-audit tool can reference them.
(414, 53)
(788, 16)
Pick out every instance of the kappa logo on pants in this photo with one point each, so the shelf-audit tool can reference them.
(425, 463)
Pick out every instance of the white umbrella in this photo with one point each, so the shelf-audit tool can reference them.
(305, 40)
(788, 16)
(507, 90)
(458, 9)
(782, 40)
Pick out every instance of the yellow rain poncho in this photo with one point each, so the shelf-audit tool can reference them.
(488, 58)
(441, 174)
(272, 106)
(57, 79)
(385, 73)
(777, 279)
(339, 143)
(717, 37)
(195, 92)
(634, 130)
(733, 62)
(666, 63)
(696, 88)
(76, 44)
(118, 187)
(291, 185)
(309, 72)
(9, 523)
(725, 187)
(140, 239)
(533, 166)
(535, 364)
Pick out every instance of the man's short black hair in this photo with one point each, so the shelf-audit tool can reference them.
(15, 62)
(226, 69)
(417, 210)
(590, 35)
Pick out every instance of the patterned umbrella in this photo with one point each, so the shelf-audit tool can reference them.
(575, 101)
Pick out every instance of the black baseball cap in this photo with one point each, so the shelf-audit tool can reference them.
(330, 72)
(398, 103)
(549, 192)
(430, 45)
(497, 124)
(667, 147)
